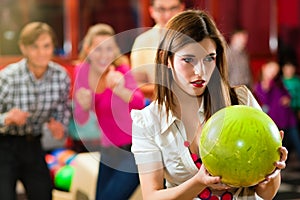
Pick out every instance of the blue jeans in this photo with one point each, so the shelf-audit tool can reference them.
(118, 177)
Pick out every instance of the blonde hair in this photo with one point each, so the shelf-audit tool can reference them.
(33, 30)
(96, 30)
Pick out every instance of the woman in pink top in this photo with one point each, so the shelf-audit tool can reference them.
(105, 85)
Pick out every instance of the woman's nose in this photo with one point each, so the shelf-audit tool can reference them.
(199, 68)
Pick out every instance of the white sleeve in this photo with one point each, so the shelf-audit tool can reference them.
(245, 97)
(144, 147)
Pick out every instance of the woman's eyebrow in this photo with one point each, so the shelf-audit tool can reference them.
(186, 55)
(212, 54)
(193, 55)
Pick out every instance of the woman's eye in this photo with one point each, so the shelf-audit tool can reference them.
(188, 60)
(209, 58)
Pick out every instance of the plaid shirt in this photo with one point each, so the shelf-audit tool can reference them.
(44, 98)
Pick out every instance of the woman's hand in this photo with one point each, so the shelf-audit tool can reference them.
(268, 188)
(84, 98)
(114, 79)
(116, 82)
(285, 101)
(210, 181)
(279, 166)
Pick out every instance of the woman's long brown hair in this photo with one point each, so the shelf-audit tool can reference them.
(184, 28)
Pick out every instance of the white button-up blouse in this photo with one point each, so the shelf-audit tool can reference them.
(155, 138)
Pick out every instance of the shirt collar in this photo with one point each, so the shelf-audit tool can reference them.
(201, 112)
(30, 75)
(166, 123)
(26, 76)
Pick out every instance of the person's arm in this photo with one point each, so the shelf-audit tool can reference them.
(126, 88)
(82, 104)
(153, 188)
(61, 113)
(82, 95)
(3, 96)
(140, 65)
(124, 93)
(268, 188)
(134, 97)
(136, 55)
(267, 191)
(15, 116)
(149, 159)
(137, 99)
(9, 115)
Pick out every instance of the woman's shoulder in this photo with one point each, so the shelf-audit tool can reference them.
(146, 116)
(245, 96)
(241, 90)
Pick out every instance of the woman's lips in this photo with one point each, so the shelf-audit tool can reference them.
(198, 83)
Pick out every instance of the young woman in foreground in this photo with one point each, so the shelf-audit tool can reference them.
(191, 85)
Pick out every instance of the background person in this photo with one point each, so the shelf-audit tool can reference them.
(275, 101)
(191, 85)
(239, 70)
(105, 86)
(291, 81)
(34, 93)
(143, 52)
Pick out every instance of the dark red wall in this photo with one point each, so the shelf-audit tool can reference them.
(255, 16)
(289, 30)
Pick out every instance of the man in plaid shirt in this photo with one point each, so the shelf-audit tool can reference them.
(34, 94)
